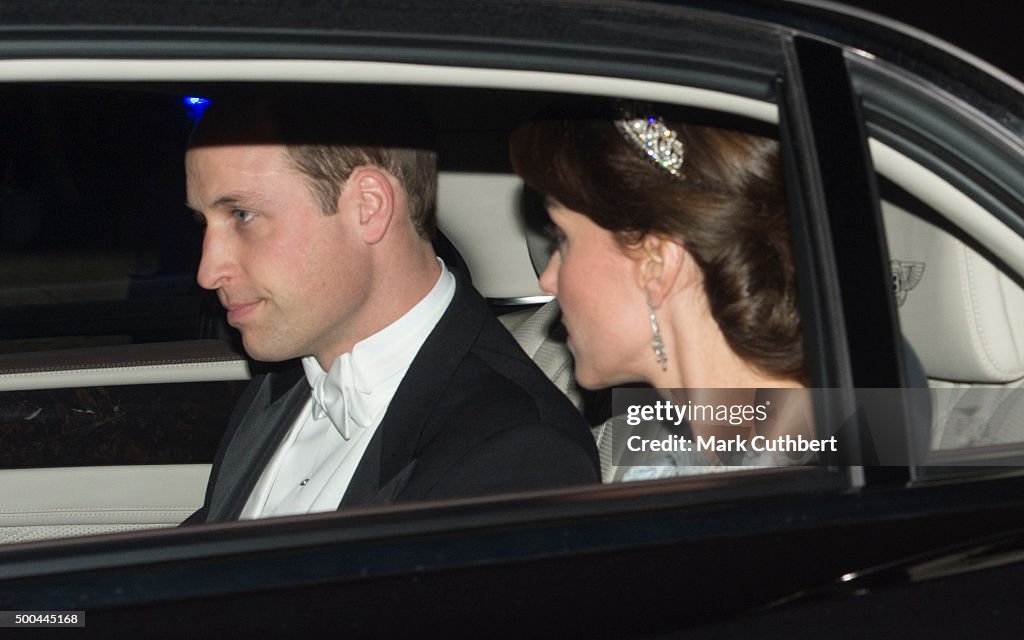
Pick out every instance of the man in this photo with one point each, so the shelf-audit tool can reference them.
(318, 218)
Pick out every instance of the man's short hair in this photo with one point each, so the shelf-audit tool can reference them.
(328, 133)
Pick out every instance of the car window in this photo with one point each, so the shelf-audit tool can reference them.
(97, 284)
(954, 239)
(94, 249)
(959, 307)
(96, 301)
(133, 292)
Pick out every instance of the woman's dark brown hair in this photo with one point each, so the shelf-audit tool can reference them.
(728, 209)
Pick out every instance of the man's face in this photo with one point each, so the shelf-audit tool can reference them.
(293, 280)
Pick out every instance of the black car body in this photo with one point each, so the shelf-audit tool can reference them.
(925, 547)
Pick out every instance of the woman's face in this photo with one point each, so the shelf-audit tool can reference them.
(604, 308)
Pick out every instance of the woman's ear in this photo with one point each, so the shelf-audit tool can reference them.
(660, 261)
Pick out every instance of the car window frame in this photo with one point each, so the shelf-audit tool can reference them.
(973, 154)
(731, 486)
(551, 516)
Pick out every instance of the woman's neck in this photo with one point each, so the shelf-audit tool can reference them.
(700, 357)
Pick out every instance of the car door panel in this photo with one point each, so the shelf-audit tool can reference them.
(109, 439)
(72, 501)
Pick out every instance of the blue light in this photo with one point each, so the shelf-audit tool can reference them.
(195, 106)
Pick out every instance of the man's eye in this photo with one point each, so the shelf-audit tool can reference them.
(241, 215)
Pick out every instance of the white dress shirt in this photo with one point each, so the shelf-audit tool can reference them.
(312, 468)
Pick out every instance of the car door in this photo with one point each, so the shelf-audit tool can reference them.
(655, 557)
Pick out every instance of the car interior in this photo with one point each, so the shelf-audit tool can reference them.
(947, 285)
(957, 282)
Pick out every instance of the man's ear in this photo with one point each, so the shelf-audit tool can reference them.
(374, 195)
(660, 261)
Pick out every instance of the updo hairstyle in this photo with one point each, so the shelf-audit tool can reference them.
(728, 209)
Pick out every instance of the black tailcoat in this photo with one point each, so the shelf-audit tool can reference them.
(472, 416)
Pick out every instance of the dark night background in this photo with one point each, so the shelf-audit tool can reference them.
(990, 29)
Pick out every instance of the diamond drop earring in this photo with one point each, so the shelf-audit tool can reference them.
(657, 344)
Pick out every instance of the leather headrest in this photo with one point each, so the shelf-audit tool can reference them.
(960, 313)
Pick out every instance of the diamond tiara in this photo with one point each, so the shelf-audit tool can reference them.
(659, 143)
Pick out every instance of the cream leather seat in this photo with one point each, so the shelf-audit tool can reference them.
(964, 317)
(542, 337)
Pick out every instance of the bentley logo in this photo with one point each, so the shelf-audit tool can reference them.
(905, 276)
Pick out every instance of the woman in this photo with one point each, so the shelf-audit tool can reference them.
(673, 263)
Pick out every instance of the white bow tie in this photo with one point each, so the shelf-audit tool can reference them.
(336, 395)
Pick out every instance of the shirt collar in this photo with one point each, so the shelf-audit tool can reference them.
(360, 384)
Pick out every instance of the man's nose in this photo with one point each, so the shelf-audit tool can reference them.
(549, 278)
(216, 263)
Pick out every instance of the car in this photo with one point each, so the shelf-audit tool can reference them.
(903, 159)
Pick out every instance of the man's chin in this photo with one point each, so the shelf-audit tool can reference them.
(262, 352)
